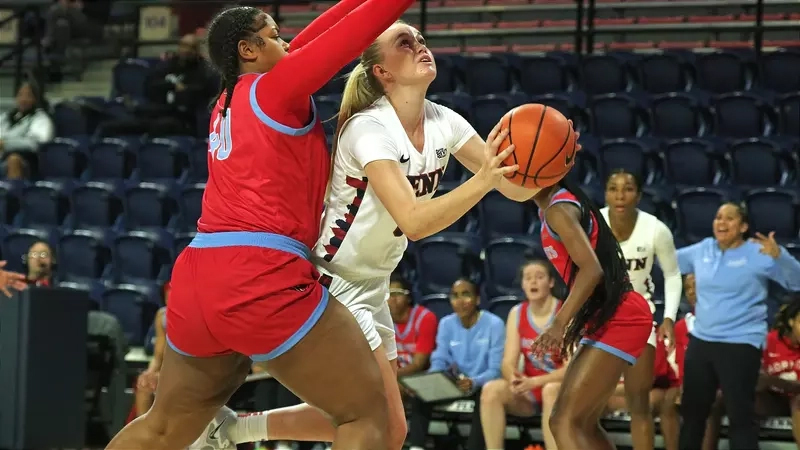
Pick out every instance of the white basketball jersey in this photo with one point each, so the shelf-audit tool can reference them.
(359, 239)
(639, 251)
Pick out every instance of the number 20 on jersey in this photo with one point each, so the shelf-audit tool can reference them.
(219, 140)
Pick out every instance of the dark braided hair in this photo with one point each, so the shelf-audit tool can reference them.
(637, 180)
(605, 299)
(224, 33)
(787, 312)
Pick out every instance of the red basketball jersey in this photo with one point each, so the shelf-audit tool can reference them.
(528, 332)
(262, 175)
(781, 357)
(553, 247)
(417, 335)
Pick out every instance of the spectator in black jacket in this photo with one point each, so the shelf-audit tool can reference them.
(175, 89)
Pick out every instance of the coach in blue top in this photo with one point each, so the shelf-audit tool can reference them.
(724, 350)
(469, 344)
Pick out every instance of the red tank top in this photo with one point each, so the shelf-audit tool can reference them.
(407, 335)
(781, 357)
(263, 176)
(553, 247)
(528, 332)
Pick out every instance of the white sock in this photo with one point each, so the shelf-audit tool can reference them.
(416, 448)
(250, 428)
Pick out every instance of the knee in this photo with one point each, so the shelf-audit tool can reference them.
(398, 430)
(494, 392)
(563, 420)
(15, 164)
(638, 400)
(550, 393)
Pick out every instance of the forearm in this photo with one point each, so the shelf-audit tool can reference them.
(428, 217)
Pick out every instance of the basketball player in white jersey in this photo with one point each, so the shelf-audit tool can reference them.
(642, 237)
(391, 149)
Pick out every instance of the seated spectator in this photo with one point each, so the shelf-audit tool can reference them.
(39, 263)
(23, 130)
(663, 396)
(684, 327)
(533, 391)
(778, 388)
(414, 329)
(469, 343)
(176, 88)
(65, 22)
(724, 351)
(148, 380)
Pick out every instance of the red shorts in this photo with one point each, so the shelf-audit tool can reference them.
(626, 334)
(245, 299)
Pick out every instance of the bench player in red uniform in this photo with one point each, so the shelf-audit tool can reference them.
(244, 289)
(602, 313)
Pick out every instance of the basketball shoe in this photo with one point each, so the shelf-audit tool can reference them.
(215, 436)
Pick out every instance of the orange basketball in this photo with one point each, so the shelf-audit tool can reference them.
(544, 145)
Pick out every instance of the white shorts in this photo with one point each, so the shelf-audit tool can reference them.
(367, 301)
(651, 341)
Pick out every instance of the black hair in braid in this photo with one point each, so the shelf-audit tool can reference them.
(787, 312)
(224, 33)
(605, 299)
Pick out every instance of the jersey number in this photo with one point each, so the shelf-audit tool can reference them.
(219, 141)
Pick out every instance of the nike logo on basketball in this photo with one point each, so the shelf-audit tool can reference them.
(571, 155)
(404, 159)
(213, 434)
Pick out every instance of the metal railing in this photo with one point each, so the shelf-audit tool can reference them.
(24, 41)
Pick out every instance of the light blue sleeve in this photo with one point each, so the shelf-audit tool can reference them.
(687, 256)
(441, 358)
(785, 271)
(496, 344)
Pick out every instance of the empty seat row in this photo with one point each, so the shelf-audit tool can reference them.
(96, 205)
(668, 71)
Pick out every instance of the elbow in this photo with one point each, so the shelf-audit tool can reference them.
(596, 273)
(413, 231)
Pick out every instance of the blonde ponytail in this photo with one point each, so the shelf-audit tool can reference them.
(360, 91)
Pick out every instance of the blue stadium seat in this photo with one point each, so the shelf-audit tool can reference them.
(539, 75)
(198, 162)
(501, 306)
(658, 203)
(111, 159)
(487, 111)
(443, 258)
(9, 204)
(604, 74)
(696, 209)
(571, 105)
(61, 159)
(135, 308)
(161, 160)
(780, 71)
(678, 114)
(502, 261)
(757, 162)
(138, 255)
(789, 107)
(485, 75)
(43, 204)
(69, 120)
(190, 205)
(445, 80)
(794, 249)
(499, 216)
(663, 72)
(83, 256)
(691, 161)
(16, 245)
(94, 205)
(148, 206)
(438, 304)
(453, 173)
(775, 210)
(617, 115)
(627, 154)
(722, 72)
(129, 79)
(742, 115)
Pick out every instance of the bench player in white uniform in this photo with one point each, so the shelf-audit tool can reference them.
(642, 238)
(391, 151)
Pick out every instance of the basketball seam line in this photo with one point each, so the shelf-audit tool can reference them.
(533, 149)
(560, 149)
